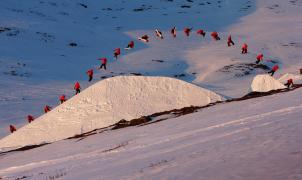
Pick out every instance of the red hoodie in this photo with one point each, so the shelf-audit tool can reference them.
(47, 109)
(131, 44)
(104, 60)
(62, 98)
(90, 72)
(187, 31)
(244, 46)
(117, 51)
(259, 57)
(275, 67)
(30, 118)
(77, 86)
(229, 38)
(200, 31)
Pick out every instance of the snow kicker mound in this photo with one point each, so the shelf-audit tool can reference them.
(297, 78)
(265, 83)
(107, 102)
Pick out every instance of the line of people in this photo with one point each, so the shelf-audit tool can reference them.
(145, 38)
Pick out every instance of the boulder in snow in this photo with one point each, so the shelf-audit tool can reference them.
(265, 83)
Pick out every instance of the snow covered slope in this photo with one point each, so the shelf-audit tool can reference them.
(265, 83)
(255, 139)
(106, 103)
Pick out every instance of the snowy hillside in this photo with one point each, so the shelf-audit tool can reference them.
(107, 102)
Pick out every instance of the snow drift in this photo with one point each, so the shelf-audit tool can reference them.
(265, 83)
(297, 79)
(107, 102)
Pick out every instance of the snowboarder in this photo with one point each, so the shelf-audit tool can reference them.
(47, 109)
(130, 45)
(159, 34)
(289, 83)
(244, 49)
(259, 58)
(77, 87)
(201, 32)
(173, 32)
(215, 36)
(187, 31)
(104, 62)
(90, 74)
(12, 128)
(144, 38)
(117, 52)
(274, 69)
(230, 41)
(30, 118)
(62, 98)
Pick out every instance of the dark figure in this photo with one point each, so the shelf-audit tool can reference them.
(47, 109)
(259, 58)
(274, 69)
(30, 118)
(77, 87)
(12, 128)
(104, 62)
(90, 74)
(244, 48)
(230, 41)
(62, 99)
(289, 83)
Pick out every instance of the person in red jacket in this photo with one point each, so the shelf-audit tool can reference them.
(130, 45)
(289, 83)
(244, 48)
(173, 32)
(47, 109)
(187, 31)
(77, 87)
(230, 41)
(104, 63)
(62, 98)
(215, 36)
(144, 38)
(30, 118)
(259, 58)
(117, 52)
(201, 32)
(274, 69)
(159, 34)
(12, 128)
(90, 74)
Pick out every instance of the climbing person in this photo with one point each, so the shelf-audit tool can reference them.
(104, 63)
(274, 69)
(159, 34)
(30, 118)
(117, 52)
(130, 45)
(230, 41)
(144, 38)
(12, 128)
(47, 109)
(215, 36)
(201, 32)
(90, 74)
(259, 58)
(289, 83)
(187, 31)
(244, 49)
(173, 32)
(77, 87)
(62, 98)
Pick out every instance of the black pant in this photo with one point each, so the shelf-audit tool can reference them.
(231, 43)
(90, 78)
(62, 101)
(78, 91)
(103, 65)
(258, 61)
(272, 72)
(244, 51)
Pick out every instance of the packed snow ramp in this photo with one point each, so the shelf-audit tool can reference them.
(107, 102)
(265, 83)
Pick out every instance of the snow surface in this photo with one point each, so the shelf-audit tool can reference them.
(107, 102)
(297, 78)
(265, 83)
(254, 139)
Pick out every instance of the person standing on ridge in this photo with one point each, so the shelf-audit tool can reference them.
(77, 87)
(187, 31)
(144, 38)
(90, 74)
(104, 63)
(30, 118)
(173, 32)
(289, 83)
(159, 34)
(259, 58)
(12, 128)
(130, 45)
(117, 52)
(201, 32)
(62, 98)
(47, 109)
(274, 69)
(215, 36)
(230, 41)
(244, 49)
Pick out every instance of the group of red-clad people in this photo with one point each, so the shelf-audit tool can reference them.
(145, 38)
